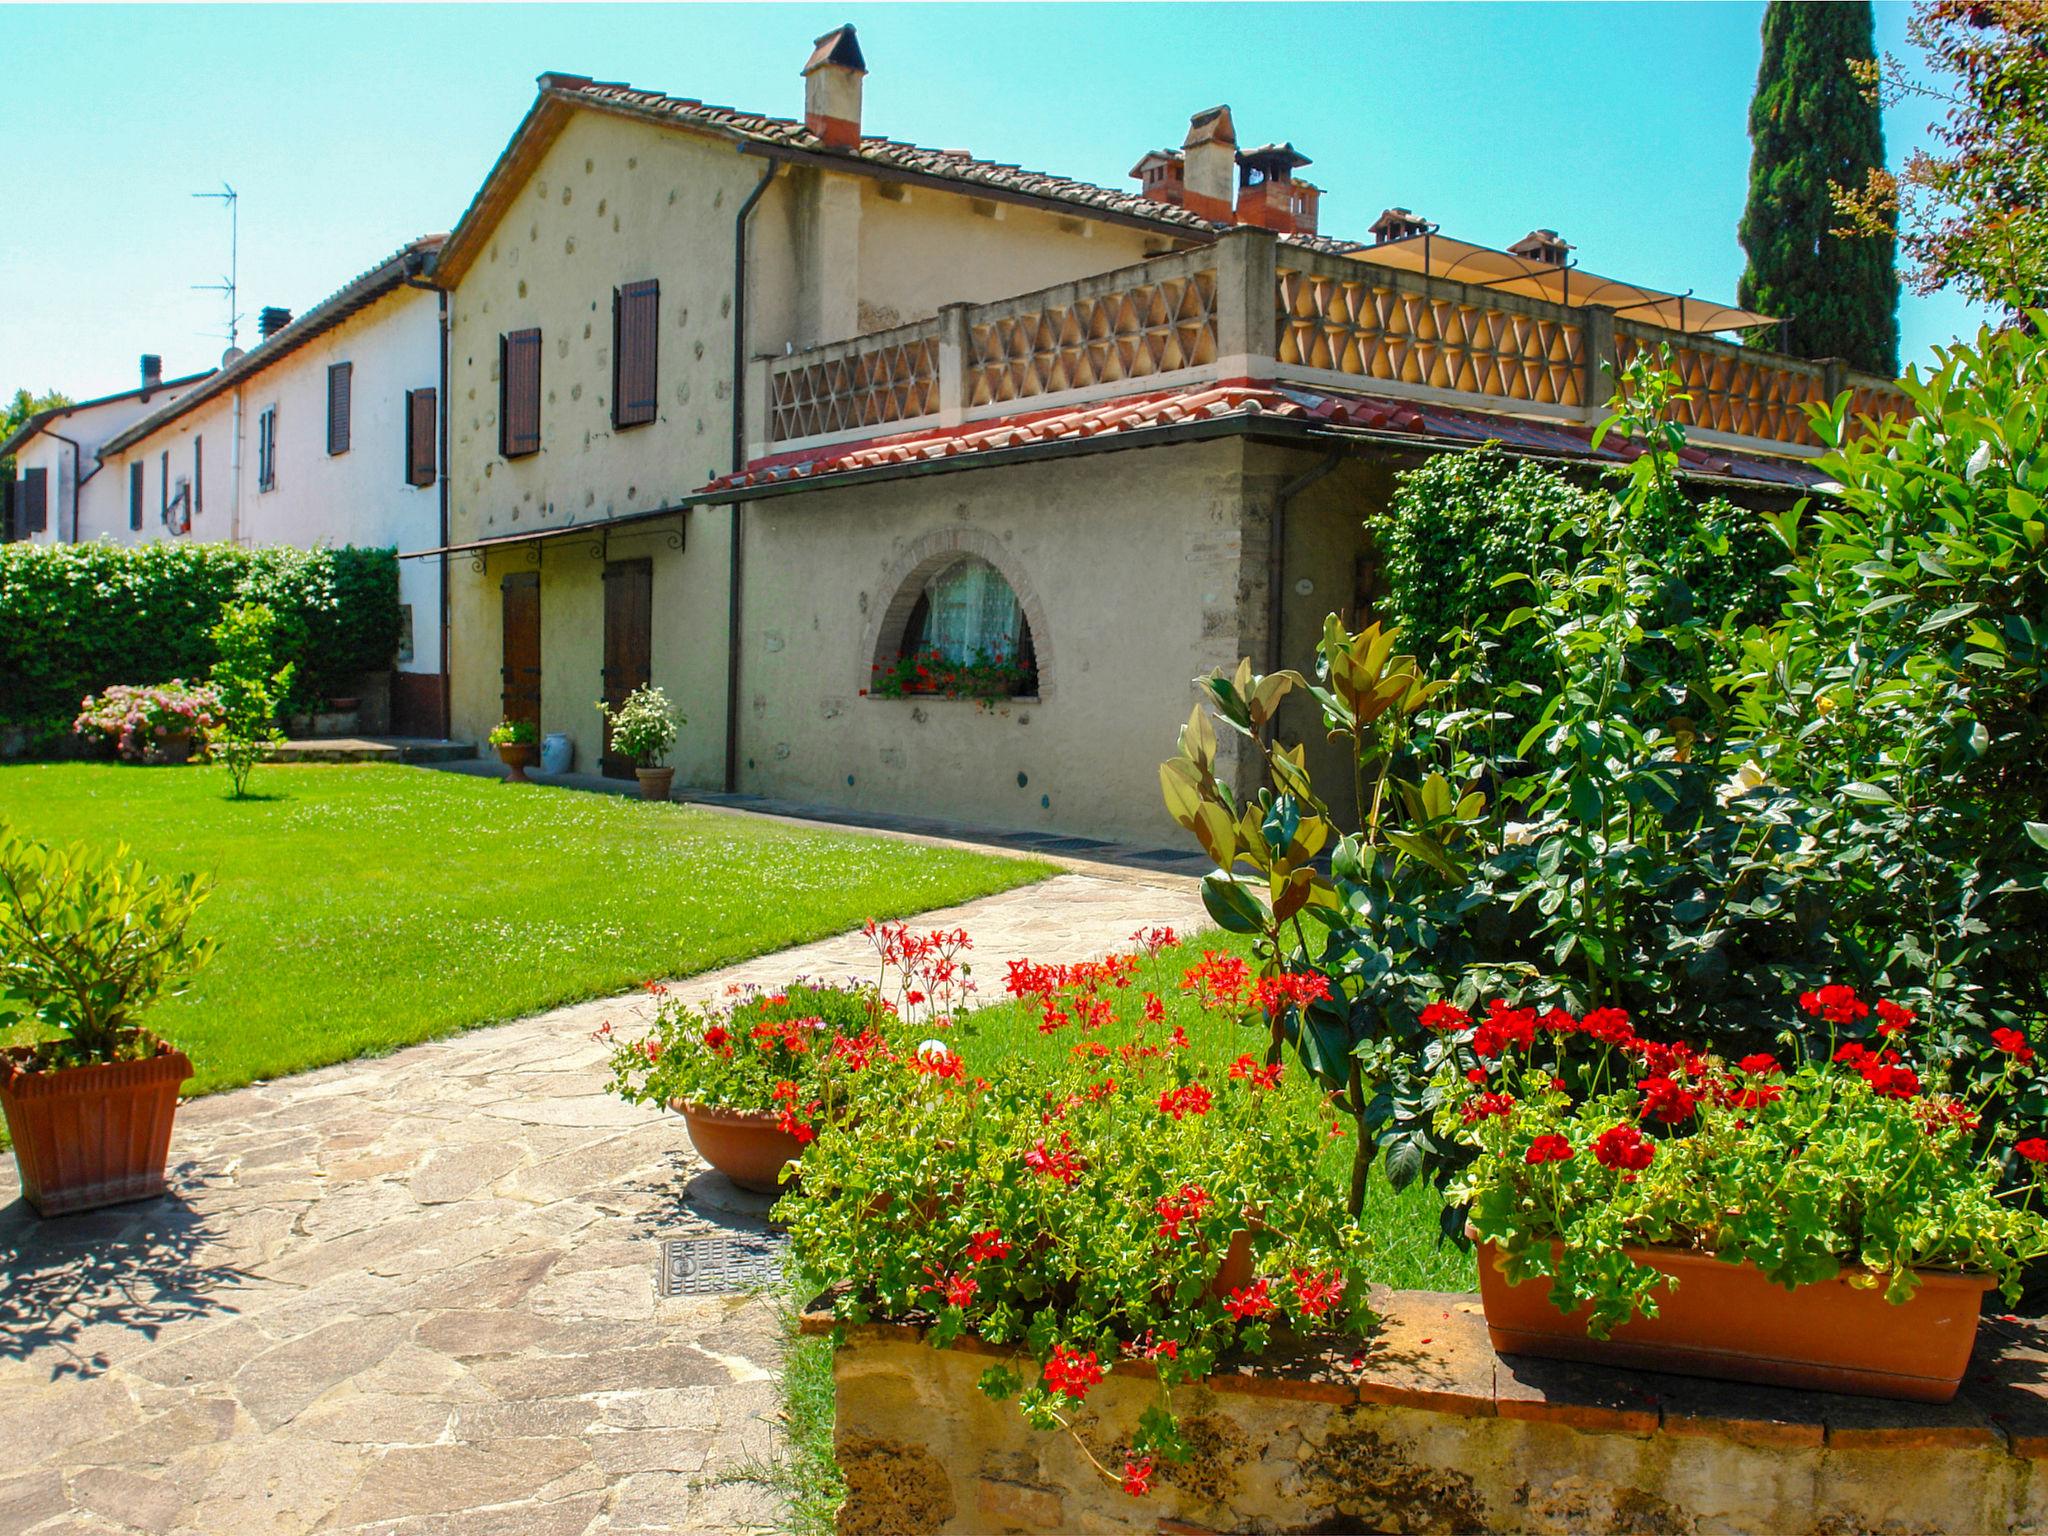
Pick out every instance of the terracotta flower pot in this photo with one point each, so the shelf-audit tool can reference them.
(655, 782)
(1727, 1321)
(1235, 1272)
(91, 1136)
(517, 756)
(750, 1149)
(175, 748)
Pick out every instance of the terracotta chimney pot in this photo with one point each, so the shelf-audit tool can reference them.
(1209, 165)
(832, 80)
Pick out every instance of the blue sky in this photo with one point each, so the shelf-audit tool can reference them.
(348, 130)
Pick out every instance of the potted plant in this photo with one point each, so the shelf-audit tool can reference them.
(1828, 1223)
(1111, 1203)
(161, 723)
(87, 941)
(985, 676)
(644, 730)
(516, 741)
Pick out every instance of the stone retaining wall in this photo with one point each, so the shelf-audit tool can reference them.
(1423, 1431)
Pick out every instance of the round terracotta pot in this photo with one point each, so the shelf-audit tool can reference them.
(1727, 1321)
(1235, 1272)
(517, 756)
(175, 748)
(91, 1136)
(750, 1149)
(655, 782)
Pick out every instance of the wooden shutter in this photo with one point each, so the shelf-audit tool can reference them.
(198, 460)
(135, 496)
(519, 393)
(35, 500)
(163, 489)
(340, 383)
(266, 449)
(421, 419)
(635, 348)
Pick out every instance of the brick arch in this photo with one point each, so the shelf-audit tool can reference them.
(922, 559)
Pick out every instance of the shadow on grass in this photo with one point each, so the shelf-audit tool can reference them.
(66, 1280)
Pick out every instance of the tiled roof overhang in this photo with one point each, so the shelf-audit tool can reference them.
(1265, 410)
(31, 425)
(408, 261)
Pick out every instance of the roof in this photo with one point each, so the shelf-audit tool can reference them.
(1246, 405)
(360, 291)
(35, 423)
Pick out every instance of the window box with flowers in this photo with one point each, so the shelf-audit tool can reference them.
(1830, 1223)
(965, 637)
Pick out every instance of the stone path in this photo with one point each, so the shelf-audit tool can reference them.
(415, 1296)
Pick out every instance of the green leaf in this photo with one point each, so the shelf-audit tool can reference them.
(2038, 831)
(1235, 908)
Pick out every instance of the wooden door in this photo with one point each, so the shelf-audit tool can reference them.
(522, 647)
(628, 643)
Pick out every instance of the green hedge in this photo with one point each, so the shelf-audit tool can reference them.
(75, 618)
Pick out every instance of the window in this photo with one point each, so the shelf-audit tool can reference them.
(405, 651)
(968, 615)
(35, 500)
(163, 487)
(420, 422)
(340, 384)
(635, 345)
(197, 482)
(135, 497)
(519, 393)
(266, 449)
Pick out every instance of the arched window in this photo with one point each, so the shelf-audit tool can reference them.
(966, 636)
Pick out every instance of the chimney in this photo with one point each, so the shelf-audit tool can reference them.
(1159, 177)
(1307, 197)
(272, 320)
(1265, 195)
(1209, 163)
(1544, 245)
(152, 372)
(1398, 224)
(832, 89)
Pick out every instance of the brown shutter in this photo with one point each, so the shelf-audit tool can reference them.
(35, 500)
(635, 350)
(198, 460)
(519, 393)
(135, 496)
(163, 489)
(420, 421)
(340, 382)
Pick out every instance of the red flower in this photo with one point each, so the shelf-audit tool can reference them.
(986, 1245)
(1445, 1017)
(2014, 1044)
(1549, 1149)
(1504, 1027)
(1314, 1294)
(1155, 1010)
(1290, 989)
(1853, 1055)
(1475, 1075)
(1835, 1003)
(2033, 1149)
(1666, 1100)
(1193, 1099)
(1138, 1475)
(1249, 1301)
(1248, 1070)
(1482, 1106)
(1760, 1065)
(718, 1039)
(1896, 1020)
(1624, 1147)
(1220, 981)
(1175, 1211)
(1062, 1163)
(1609, 1026)
(1891, 1081)
(1072, 1372)
(958, 1290)
(1153, 940)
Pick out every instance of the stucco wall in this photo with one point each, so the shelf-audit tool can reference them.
(101, 509)
(1130, 566)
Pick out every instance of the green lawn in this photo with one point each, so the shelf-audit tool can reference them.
(362, 908)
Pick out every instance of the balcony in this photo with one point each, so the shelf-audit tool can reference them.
(1250, 308)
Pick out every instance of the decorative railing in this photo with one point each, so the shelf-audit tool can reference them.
(1248, 307)
(1076, 338)
(870, 381)
(1388, 327)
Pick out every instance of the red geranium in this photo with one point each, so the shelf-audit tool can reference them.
(1072, 1372)
(1250, 1301)
(1624, 1148)
(1549, 1149)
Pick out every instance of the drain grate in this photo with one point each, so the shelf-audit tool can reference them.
(718, 1263)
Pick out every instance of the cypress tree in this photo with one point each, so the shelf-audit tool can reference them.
(1812, 123)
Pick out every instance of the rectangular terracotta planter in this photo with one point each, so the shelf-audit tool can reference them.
(1727, 1321)
(92, 1136)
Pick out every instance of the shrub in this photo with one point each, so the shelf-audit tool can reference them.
(88, 940)
(644, 727)
(249, 690)
(138, 720)
(514, 733)
(76, 619)
(1592, 1139)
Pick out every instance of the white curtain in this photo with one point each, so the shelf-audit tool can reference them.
(972, 612)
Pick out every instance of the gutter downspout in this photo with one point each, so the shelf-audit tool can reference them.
(735, 566)
(441, 403)
(78, 479)
(1276, 554)
(235, 470)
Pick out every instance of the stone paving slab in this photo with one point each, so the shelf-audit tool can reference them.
(415, 1295)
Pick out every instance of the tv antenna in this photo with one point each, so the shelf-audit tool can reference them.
(227, 284)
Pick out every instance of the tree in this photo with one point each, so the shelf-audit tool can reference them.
(1812, 127)
(1973, 216)
(12, 415)
(248, 689)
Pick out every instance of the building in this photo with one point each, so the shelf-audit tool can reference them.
(57, 486)
(325, 433)
(753, 407)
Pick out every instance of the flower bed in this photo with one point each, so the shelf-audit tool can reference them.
(149, 724)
